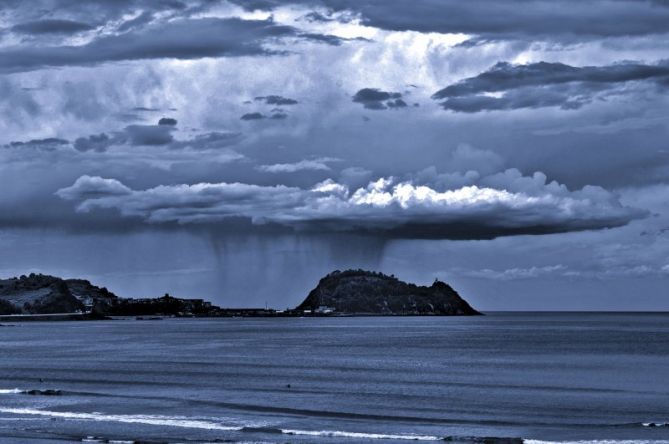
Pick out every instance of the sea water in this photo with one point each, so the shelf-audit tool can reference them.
(558, 377)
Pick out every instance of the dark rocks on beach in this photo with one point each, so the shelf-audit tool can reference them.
(368, 292)
(48, 392)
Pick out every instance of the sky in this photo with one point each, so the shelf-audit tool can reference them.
(237, 151)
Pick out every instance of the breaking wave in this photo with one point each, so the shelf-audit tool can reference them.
(184, 422)
(10, 391)
(215, 424)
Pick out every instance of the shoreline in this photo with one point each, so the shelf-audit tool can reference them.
(53, 317)
(155, 317)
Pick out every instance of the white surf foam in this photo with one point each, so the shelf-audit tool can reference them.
(10, 391)
(360, 435)
(170, 421)
(185, 422)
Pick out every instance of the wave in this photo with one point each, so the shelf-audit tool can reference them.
(185, 422)
(171, 421)
(106, 441)
(360, 435)
(10, 391)
(215, 424)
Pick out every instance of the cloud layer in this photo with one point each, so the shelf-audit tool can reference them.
(504, 19)
(536, 85)
(510, 204)
(180, 39)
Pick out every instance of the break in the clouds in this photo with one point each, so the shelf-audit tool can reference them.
(504, 204)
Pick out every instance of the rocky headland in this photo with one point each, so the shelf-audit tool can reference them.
(38, 294)
(368, 292)
(340, 293)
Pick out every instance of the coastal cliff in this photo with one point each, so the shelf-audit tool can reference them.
(351, 292)
(38, 294)
(367, 292)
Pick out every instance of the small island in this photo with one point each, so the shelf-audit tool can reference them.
(340, 293)
(373, 293)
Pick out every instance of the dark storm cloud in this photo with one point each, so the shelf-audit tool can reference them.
(52, 26)
(253, 116)
(503, 19)
(152, 135)
(48, 144)
(276, 100)
(373, 98)
(501, 204)
(180, 39)
(167, 121)
(545, 84)
(149, 134)
(96, 142)
(504, 76)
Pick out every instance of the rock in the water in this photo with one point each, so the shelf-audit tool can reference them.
(367, 292)
(48, 392)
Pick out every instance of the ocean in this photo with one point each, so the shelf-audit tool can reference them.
(542, 377)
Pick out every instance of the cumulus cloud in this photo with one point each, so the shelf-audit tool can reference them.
(376, 99)
(536, 85)
(320, 164)
(87, 187)
(503, 204)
